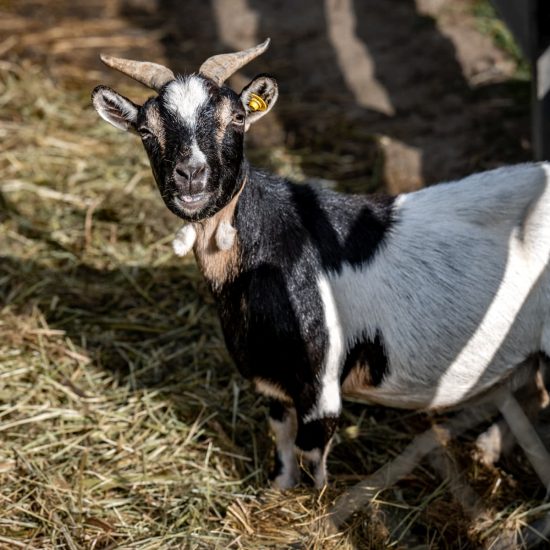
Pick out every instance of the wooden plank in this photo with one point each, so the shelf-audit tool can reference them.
(518, 16)
(541, 81)
(541, 105)
(529, 21)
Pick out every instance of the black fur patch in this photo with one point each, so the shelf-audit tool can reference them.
(316, 434)
(342, 227)
(277, 410)
(370, 355)
(291, 234)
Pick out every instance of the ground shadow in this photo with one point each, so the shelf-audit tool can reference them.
(124, 328)
(102, 308)
(349, 71)
(140, 325)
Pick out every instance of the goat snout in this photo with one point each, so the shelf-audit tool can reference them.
(190, 177)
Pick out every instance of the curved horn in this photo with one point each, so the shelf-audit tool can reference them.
(220, 67)
(153, 75)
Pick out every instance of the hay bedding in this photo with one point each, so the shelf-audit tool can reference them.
(122, 422)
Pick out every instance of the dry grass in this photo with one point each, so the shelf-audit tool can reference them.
(123, 423)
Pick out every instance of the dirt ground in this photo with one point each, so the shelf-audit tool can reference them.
(371, 97)
(123, 422)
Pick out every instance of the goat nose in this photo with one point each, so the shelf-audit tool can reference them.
(189, 171)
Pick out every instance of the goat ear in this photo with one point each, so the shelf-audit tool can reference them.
(258, 98)
(115, 108)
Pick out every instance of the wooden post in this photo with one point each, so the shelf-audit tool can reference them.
(529, 21)
(541, 81)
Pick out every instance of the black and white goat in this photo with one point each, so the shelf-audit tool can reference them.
(424, 300)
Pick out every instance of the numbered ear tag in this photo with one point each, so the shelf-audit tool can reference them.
(257, 103)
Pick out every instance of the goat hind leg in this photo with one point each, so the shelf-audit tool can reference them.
(498, 440)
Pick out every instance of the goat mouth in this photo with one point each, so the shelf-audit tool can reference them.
(191, 203)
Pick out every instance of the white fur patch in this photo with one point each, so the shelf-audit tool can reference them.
(197, 156)
(330, 402)
(184, 240)
(186, 236)
(313, 456)
(285, 435)
(185, 97)
(459, 289)
(225, 235)
(497, 320)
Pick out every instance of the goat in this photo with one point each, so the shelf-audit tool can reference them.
(423, 300)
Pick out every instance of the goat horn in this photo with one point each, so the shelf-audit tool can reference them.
(153, 75)
(220, 67)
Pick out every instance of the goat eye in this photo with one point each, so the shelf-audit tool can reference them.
(238, 118)
(145, 132)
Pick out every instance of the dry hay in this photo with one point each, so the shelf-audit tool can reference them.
(123, 423)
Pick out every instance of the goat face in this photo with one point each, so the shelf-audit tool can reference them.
(193, 132)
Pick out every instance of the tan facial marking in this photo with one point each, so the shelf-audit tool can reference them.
(224, 115)
(154, 122)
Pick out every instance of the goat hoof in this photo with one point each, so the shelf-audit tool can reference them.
(285, 481)
(489, 445)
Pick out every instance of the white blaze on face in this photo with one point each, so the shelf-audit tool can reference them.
(197, 155)
(185, 97)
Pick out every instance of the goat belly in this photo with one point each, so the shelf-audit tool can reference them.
(358, 388)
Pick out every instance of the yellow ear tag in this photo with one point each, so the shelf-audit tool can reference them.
(257, 103)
